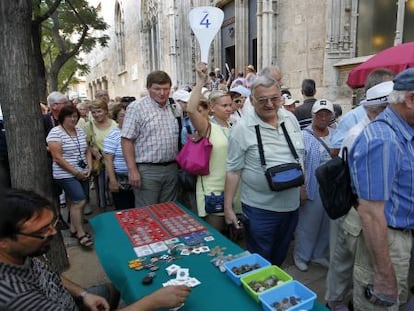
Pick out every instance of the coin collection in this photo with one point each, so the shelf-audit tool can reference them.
(245, 268)
(260, 286)
(286, 303)
(155, 223)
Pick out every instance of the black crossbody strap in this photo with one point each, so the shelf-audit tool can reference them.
(260, 146)
(320, 140)
(289, 141)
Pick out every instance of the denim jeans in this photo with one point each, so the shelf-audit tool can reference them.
(269, 233)
(75, 189)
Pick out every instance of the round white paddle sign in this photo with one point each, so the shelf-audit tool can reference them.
(205, 21)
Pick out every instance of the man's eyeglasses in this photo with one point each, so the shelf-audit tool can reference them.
(46, 232)
(264, 101)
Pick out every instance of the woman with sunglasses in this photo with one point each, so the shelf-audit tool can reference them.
(71, 167)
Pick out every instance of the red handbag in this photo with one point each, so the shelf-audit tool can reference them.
(194, 157)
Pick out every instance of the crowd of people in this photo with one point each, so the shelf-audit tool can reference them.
(129, 148)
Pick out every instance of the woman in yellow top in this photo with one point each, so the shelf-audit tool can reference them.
(217, 129)
(96, 131)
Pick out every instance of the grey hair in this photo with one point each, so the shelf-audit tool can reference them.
(397, 97)
(264, 81)
(268, 71)
(55, 97)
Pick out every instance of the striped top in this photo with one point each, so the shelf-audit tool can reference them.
(112, 145)
(73, 150)
(154, 130)
(304, 112)
(32, 287)
(381, 164)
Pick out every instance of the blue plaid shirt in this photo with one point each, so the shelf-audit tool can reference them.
(315, 155)
(382, 167)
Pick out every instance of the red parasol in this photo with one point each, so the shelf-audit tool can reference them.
(396, 58)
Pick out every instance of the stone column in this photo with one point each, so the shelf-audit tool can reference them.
(172, 38)
(266, 45)
(241, 26)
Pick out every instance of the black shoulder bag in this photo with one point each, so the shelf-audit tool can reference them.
(283, 176)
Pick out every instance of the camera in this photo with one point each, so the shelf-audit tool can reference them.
(380, 300)
(82, 164)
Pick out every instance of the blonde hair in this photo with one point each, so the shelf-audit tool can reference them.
(99, 104)
(215, 95)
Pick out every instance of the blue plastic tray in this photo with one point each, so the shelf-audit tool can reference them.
(246, 260)
(293, 288)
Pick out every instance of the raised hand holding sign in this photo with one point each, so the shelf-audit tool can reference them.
(205, 22)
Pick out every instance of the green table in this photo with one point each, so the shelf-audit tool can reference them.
(216, 291)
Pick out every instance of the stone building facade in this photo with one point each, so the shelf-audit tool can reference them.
(318, 39)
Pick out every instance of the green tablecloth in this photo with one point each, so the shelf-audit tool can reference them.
(216, 292)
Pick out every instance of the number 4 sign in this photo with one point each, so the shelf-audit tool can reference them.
(205, 22)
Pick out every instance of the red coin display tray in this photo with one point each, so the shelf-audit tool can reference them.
(155, 223)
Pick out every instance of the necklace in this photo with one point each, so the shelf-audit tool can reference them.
(77, 143)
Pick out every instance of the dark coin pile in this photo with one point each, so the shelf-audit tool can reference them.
(260, 286)
(245, 268)
(286, 303)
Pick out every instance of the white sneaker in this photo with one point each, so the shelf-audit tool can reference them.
(300, 264)
(322, 262)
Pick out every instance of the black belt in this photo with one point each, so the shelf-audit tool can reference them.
(157, 163)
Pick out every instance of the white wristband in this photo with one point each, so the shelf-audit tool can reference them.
(83, 293)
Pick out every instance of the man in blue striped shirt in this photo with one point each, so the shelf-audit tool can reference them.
(382, 170)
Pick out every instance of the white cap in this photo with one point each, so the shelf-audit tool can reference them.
(181, 95)
(289, 100)
(321, 104)
(241, 90)
(378, 94)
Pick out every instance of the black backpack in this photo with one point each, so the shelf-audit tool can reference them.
(335, 186)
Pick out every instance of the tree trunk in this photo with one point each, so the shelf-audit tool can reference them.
(20, 104)
(39, 62)
(53, 77)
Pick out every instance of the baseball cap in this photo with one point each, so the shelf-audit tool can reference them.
(241, 90)
(378, 94)
(321, 104)
(181, 95)
(404, 81)
(289, 100)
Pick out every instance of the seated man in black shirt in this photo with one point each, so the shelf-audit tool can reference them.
(27, 224)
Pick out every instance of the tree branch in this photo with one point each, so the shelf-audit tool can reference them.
(67, 82)
(48, 13)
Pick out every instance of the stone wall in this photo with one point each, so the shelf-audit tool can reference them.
(292, 34)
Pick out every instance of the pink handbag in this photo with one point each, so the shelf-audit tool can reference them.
(194, 157)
